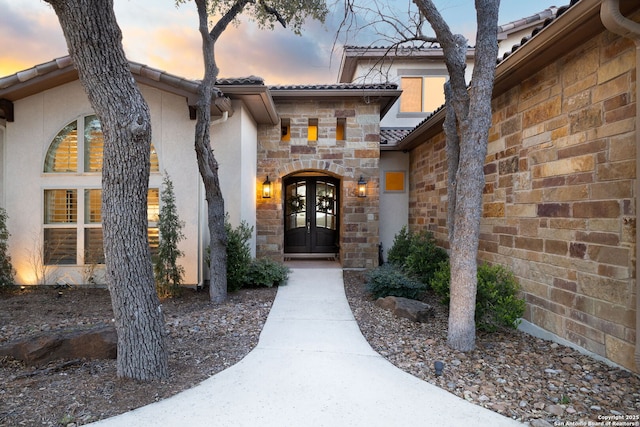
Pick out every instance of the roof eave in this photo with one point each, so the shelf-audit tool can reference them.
(258, 100)
(387, 97)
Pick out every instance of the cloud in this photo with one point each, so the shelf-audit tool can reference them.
(278, 56)
(31, 35)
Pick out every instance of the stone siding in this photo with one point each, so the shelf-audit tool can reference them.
(559, 198)
(345, 159)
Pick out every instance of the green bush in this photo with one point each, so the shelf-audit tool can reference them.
(238, 254)
(497, 301)
(424, 256)
(389, 280)
(400, 249)
(416, 254)
(266, 272)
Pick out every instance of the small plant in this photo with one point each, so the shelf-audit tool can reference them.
(266, 272)
(416, 254)
(389, 280)
(424, 256)
(497, 301)
(168, 273)
(238, 254)
(6, 268)
(400, 249)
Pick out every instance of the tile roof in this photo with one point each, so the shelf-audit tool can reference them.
(62, 70)
(235, 81)
(391, 136)
(558, 11)
(334, 86)
(66, 62)
(524, 22)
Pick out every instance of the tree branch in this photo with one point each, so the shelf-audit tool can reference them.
(272, 11)
(227, 18)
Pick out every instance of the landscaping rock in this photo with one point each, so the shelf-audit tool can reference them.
(413, 310)
(99, 342)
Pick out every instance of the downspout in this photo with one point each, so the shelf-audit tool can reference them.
(225, 116)
(615, 22)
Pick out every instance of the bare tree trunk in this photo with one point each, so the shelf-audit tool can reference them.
(94, 41)
(208, 165)
(450, 128)
(467, 148)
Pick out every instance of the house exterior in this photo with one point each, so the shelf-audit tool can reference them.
(420, 74)
(560, 198)
(51, 145)
(335, 170)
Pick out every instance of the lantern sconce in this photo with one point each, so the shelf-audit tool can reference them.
(362, 187)
(266, 189)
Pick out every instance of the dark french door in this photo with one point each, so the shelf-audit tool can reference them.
(311, 209)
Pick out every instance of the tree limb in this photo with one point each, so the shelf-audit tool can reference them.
(227, 18)
(274, 12)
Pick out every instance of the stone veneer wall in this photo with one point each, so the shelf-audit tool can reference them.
(347, 160)
(559, 199)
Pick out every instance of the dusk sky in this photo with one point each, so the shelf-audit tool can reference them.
(163, 36)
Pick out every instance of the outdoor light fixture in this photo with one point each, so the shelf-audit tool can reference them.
(266, 189)
(362, 187)
(439, 366)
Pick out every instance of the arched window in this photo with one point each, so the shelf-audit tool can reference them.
(68, 145)
(73, 216)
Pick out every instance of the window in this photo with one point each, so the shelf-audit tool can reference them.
(63, 153)
(68, 240)
(312, 134)
(422, 94)
(73, 216)
(341, 125)
(285, 130)
(60, 218)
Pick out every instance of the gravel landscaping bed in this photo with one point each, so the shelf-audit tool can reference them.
(510, 372)
(203, 339)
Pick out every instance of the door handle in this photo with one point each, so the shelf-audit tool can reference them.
(308, 227)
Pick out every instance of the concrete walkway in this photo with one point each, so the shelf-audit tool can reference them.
(312, 367)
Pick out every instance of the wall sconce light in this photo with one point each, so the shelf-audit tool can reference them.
(266, 189)
(362, 187)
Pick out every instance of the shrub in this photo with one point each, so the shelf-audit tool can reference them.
(168, 274)
(266, 272)
(416, 254)
(6, 268)
(238, 254)
(424, 256)
(400, 249)
(389, 280)
(497, 301)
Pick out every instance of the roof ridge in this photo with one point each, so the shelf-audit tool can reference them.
(386, 85)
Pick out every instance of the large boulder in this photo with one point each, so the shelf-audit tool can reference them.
(99, 342)
(416, 311)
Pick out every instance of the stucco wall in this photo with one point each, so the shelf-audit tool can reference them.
(394, 206)
(392, 70)
(38, 119)
(234, 144)
(559, 196)
(2, 167)
(347, 160)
